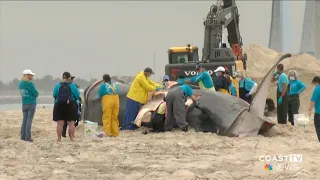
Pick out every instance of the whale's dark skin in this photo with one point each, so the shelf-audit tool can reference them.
(218, 112)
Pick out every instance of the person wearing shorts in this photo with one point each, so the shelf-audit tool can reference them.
(65, 95)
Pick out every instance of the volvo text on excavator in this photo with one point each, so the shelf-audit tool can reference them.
(214, 53)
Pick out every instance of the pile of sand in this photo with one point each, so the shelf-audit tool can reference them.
(261, 59)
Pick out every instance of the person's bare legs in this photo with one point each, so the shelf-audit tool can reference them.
(59, 129)
(72, 130)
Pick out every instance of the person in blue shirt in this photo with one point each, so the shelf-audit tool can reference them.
(232, 87)
(176, 109)
(78, 101)
(282, 94)
(295, 87)
(203, 78)
(247, 87)
(315, 103)
(29, 96)
(109, 94)
(65, 95)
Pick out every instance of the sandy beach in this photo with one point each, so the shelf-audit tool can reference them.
(132, 155)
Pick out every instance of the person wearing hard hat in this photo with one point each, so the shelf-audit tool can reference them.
(137, 96)
(247, 87)
(29, 96)
(221, 83)
(203, 78)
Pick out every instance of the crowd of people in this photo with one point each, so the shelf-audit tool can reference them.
(172, 111)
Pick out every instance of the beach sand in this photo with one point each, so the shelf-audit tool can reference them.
(132, 155)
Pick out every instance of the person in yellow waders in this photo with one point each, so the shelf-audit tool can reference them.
(221, 83)
(109, 95)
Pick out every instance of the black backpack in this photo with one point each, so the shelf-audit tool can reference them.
(64, 93)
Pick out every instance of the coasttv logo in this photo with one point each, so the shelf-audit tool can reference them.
(293, 158)
(267, 167)
(291, 162)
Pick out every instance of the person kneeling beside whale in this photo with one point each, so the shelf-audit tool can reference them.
(175, 104)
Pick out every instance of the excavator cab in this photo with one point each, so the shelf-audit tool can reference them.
(183, 54)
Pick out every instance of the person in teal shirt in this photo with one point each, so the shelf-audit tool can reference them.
(109, 94)
(232, 89)
(65, 108)
(176, 109)
(282, 94)
(203, 78)
(247, 87)
(104, 89)
(78, 101)
(29, 96)
(295, 87)
(315, 103)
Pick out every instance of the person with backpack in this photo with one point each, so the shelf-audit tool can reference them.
(65, 95)
(78, 101)
(109, 94)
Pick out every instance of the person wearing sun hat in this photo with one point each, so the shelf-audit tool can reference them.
(29, 96)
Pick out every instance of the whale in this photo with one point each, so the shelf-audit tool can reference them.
(218, 113)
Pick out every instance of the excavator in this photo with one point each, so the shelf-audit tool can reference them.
(214, 53)
(183, 59)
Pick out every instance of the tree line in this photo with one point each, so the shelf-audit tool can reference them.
(44, 84)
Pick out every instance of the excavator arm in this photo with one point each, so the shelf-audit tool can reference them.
(212, 33)
(228, 16)
(223, 14)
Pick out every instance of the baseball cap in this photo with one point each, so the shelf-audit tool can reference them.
(148, 70)
(198, 66)
(72, 77)
(220, 69)
(165, 77)
(27, 72)
(66, 75)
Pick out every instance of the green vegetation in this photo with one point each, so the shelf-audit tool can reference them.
(44, 84)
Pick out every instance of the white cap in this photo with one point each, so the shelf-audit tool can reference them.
(220, 69)
(27, 72)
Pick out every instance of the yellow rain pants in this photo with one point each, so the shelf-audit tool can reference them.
(110, 111)
(223, 91)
